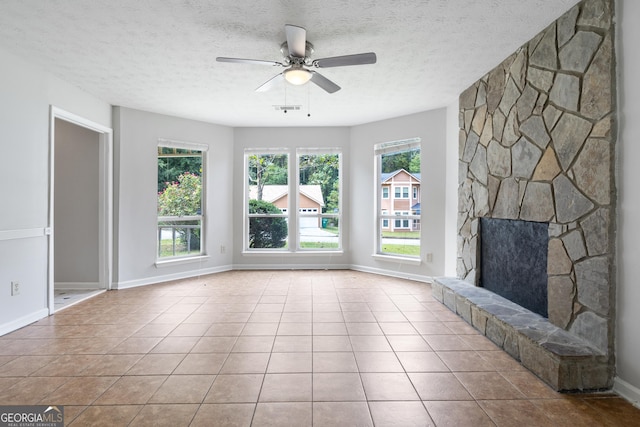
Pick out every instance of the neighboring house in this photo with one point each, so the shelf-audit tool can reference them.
(400, 195)
(311, 201)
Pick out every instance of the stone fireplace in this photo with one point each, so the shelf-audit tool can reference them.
(537, 137)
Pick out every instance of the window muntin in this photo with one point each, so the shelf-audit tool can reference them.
(180, 201)
(267, 202)
(401, 192)
(319, 199)
(398, 166)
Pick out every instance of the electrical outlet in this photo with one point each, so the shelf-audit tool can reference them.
(223, 249)
(429, 257)
(15, 289)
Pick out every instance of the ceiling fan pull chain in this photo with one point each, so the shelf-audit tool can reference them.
(308, 100)
(285, 99)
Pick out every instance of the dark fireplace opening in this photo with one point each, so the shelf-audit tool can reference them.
(513, 261)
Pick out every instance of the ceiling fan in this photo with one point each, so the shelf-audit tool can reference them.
(297, 60)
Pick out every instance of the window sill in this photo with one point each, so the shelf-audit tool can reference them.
(180, 261)
(397, 259)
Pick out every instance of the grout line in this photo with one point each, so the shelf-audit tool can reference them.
(107, 308)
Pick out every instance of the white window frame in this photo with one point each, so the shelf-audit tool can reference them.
(320, 215)
(204, 149)
(379, 150)
(385, 192)
(293, 220)
(246, 215)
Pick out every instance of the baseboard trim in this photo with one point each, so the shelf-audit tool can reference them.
(23, 234)
(392, 273)
(169, 277)
(76, 285)
(626, 390)
(23, 321)
(291, 267)
(221, 269)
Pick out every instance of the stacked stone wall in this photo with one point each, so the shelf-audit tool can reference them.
(537, 136)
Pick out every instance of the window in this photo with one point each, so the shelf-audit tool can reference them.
(319, 199)
(385, 192)
(315, 208)
(397, 223)
(398, 165)
(401, 223)
(401, 192)
(181, 167)
(267, 200)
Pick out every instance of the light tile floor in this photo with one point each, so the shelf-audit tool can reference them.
(64, 298)
(297, 348)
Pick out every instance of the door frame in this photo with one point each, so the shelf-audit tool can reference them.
(105, 197)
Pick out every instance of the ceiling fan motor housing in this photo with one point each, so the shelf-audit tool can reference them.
(290, 59)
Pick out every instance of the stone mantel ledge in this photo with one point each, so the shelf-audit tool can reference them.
(564, 361)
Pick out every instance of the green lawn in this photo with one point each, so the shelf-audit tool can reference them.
(166, 249)
(410, 250)
(401, 234)
(333, 230)
(318, 245)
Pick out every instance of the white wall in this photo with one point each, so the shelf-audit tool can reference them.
(628, 156)
(135, 193)
(76, 193)
(26, 94)
(430, 126)
(290, 138)
(451, 190)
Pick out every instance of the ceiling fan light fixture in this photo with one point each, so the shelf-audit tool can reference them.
(297, 76)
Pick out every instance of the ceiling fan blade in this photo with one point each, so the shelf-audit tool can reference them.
(249, 61)
(324, 82)
(296, 40)
(270, 83)
(341, 61)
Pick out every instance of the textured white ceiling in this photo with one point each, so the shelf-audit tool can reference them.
(159, 55)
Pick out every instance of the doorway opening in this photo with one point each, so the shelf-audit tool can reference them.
(80, 203)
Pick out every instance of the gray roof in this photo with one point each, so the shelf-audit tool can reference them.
(385, 176)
